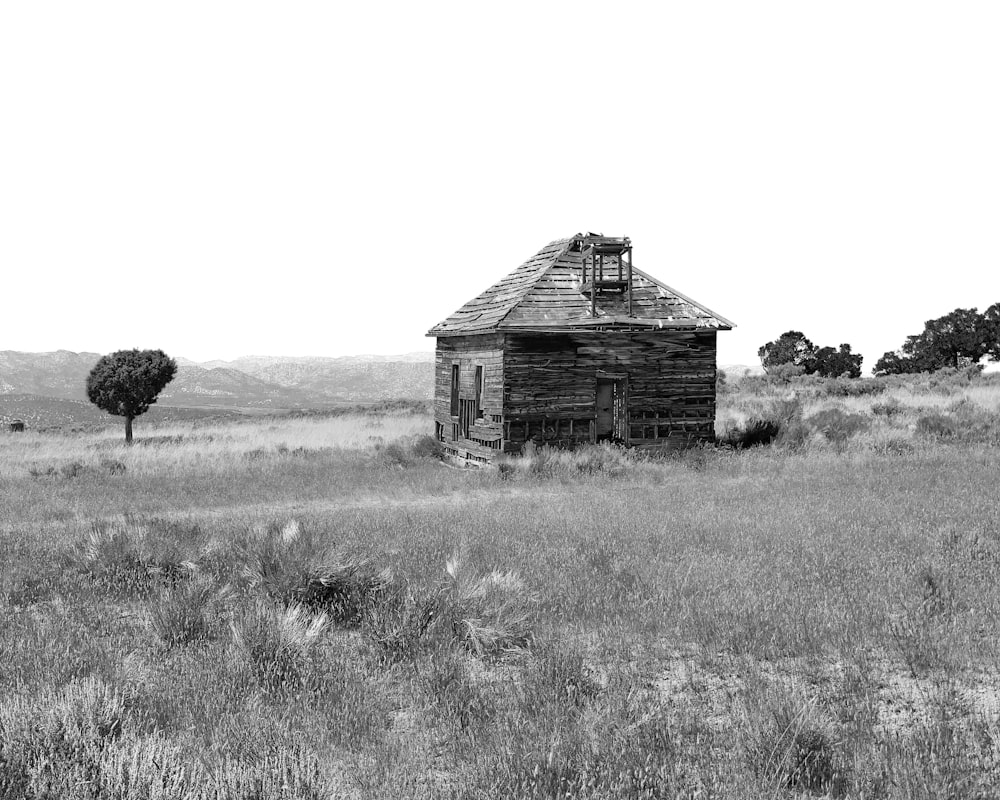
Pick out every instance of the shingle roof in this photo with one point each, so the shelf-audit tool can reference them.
(544, 294)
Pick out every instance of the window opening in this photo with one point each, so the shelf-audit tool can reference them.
(479, 391)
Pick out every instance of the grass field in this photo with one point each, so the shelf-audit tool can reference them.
(319, 607)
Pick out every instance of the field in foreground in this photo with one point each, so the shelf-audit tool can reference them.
(319, 607)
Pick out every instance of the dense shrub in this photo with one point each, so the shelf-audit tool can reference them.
(752, 433)
(795, 434)
(964, 421)
(892, 445)
(408, 451)
(721, 382)
(937, 425)
(72, 470)
(426, 446)
(854, 387)
(890, 407)
(67, 471)
(112, 466)
(837, 425)
(950, 378)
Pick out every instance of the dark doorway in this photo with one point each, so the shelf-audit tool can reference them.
(612, 408)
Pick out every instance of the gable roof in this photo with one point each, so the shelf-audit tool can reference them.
(544, 294)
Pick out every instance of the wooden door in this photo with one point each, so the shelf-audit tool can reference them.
(611, 409)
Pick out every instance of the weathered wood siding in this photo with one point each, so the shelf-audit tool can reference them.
(484, 433)
(551, 380)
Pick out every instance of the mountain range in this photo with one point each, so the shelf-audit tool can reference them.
(57, 382)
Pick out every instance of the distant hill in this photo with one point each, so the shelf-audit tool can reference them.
(197, 386)
(348, 379)
(739, 370)
(59, 374)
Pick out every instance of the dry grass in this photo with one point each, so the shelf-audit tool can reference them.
(276, 610)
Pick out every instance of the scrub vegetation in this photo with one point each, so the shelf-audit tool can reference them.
(321, 607)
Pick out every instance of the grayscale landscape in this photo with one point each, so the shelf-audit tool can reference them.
(525, 401)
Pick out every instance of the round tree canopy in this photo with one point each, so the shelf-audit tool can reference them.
(127, 382)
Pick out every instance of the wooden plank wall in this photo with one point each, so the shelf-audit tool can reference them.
(485, 350)
(551, 382)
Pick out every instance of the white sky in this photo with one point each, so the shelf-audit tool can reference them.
(219, 179)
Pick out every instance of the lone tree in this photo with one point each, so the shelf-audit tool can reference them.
(958, 339)
(792, 347)
(127, 382)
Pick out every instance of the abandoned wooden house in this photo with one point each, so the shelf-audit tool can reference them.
(574, 346)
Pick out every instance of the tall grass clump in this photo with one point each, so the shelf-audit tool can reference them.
(492, 614)
(296, 566)
(558, 674)
(125, 556)
(398, 624)
(276, 643)
(185, 613)
(789, 744)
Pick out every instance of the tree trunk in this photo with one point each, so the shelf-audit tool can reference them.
(128, 430)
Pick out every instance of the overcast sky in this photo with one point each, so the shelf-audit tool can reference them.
(219, 179)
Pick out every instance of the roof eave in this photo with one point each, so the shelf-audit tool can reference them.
(637, 323)
(462, 332)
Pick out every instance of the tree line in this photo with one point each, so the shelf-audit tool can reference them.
(962, 338)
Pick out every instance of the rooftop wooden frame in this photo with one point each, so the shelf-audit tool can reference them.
(594, 249)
